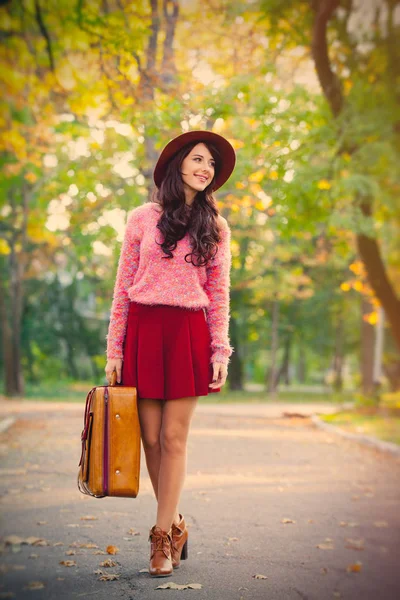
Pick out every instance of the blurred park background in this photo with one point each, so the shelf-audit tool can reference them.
(308, 93)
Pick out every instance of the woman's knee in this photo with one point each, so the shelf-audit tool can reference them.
(173, 441)
(151, 442)
(150, 416)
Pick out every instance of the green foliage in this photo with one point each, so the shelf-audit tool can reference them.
(79, 146)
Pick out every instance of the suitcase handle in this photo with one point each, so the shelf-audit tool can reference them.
(114, 378)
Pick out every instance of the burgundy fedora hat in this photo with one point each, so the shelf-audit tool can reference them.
(224, 147)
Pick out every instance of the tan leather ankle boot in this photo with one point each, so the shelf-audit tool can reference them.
(160, 552)
(179, 547)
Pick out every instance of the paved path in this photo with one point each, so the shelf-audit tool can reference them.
(239, 409)
(245, 476)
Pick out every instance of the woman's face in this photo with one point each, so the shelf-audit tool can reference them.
(198, 168)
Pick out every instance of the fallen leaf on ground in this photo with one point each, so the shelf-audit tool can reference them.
(143, 571)
(286, 520)
(32, 540)
(89, 518)
(67, 563)
(176, 586)
(14, 539)
(109, 562)
(132, 531)
(5, 568)
(112, 549)
(354, 544)
(33, 556)
(107, 576)
(73, 525)
(41, 522)
(13, 472)
(354, 568)
(233, 539)
(79, 545)
(34, 585)
(381, 524)
(99, 552)
(7, 595)
(70, 552)
(258, 576)
(327, 545)
(40, 542)
(348, 524)
(59, 544)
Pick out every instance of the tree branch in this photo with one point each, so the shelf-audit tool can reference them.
(45, 33)
(328, 79)
(168, 68)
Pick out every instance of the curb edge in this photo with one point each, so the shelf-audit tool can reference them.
(361, 439)
(6, 423)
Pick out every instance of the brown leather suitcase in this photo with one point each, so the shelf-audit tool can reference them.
(110, 457)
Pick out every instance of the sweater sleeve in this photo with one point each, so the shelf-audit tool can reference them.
(217, 289)
(127, 267)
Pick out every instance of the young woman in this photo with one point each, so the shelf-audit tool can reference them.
(168, 332)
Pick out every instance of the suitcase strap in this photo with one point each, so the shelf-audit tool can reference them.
(86, 420)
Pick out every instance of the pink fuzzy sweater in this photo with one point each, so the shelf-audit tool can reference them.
(145, 277)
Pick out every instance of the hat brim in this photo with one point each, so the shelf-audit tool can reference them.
(224, 147)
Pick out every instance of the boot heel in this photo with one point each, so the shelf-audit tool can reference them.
(184, 554)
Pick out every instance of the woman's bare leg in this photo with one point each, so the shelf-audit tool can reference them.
(176, 419)
(150, 417)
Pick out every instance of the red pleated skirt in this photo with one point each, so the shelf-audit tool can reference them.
(167, 352)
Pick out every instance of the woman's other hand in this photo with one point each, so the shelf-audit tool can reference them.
(220, 372)
(113, 364)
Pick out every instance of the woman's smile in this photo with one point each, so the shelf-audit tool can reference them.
(199, 158)
(202, 178)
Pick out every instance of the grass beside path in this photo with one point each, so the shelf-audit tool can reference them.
(66, 391)
(375, 422)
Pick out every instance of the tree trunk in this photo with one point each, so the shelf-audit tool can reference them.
(301, 367)
(7, 342)
(13, 297)
(367, 349)
(368, 248)
(284, 368)
(371, 256)
(338, 358)
(272, 376)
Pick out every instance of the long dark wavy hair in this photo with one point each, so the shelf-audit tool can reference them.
(177, 218)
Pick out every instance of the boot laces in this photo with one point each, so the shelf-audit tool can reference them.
(161, 541)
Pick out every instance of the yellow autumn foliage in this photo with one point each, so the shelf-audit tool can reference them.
(358, 286)
(4, 247)
(324, 184)
(257, 176)
(371, 318)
